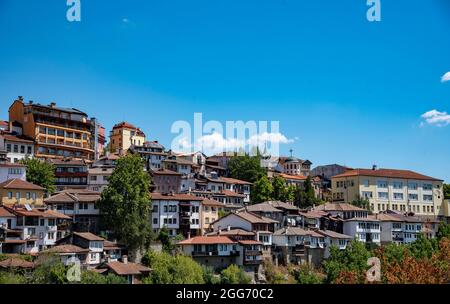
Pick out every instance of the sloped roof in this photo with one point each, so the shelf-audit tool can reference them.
(16, 183)
(175, 197)
(262, 207)
(15, 262)
(129, 268)
(88, 236)
(5, 213)
(254, 218)
(232, 232)
(334, 234)
(67, 248)
(338, 207)
(388, 173)
(207, 240)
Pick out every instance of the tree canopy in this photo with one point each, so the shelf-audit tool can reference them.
(125, 204)
(40, 173)
(169, 269)
(234, 275)
(247, 168)
(262, 190)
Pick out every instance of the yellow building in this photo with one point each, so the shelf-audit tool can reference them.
(389, 189)
(123, 135)
(210, 213)
(18, 192)
(57, 132)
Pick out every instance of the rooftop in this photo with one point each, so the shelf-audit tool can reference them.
(128, 268)
(16, 183)
(200, 240)
(338, 207)
(389, 173)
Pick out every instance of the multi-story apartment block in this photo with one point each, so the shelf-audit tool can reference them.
(179, 213)
(389, 189)
(166, 181)
(70, 173)
(39, 228)
(17, 192)
(98, 178)
(57, 132)
(80, 205)
(399, 228)
(17, 147)
(152, 152)
(363, 229)
(123, 136)
(12, 170)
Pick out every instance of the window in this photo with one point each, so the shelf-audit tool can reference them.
(367, 194)
(51, 222)
(29, 150)
(155, 208)
(42, 222)
(33, 196)
(10, 195)
(51, 235)
(413, 197)
(28, 195)
(412, 186)
(8, 148)
(397, 185)
(93, 177)
(427, 186)
(22, 149)
(383, 195)
(18, 195)
(427, 198)
(16, 149)
(398, 196)
(382, 184)
(155, 221)
(366, 183)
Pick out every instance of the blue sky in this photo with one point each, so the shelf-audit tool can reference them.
(351, 91)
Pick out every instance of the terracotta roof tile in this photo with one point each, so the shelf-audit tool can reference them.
(129, 268)
(16, 183)
(389, 173)
(207, 240)
(175, 197)
(88, 236)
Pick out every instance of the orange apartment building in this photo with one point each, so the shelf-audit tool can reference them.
(123, 136)
(58, 132)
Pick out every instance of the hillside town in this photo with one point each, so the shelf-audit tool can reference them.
(204, 207)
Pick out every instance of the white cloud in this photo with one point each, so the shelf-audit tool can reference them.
(446, 77)
(270, 138)
(436, 118)
(217, 142)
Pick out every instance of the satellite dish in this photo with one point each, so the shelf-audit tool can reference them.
(28, 207)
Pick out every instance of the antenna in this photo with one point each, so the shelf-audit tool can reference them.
(291, 151)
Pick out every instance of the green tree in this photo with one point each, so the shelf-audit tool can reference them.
(351, 260)
(40, 173)
(247, 168)
(361, 203)
(305, 274)
(280, 190)
(125, 204)
(443, 231)
(209, 276)
(169, 269)
(92, 277)
(305, 196)
(49, 270)
(7, 277)
(446, 188)
(290, 193)
(234, 275)
(222, 213)
(262, 190)
(422, 247)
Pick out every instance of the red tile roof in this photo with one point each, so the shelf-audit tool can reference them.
(67, 248)
(14, 262)
(16, 183)
(5, 213)
(165, 172)
(228, 193)
(129, 268)
(295, 177)
(389, 173)
(212, 203)
(338, 207)
(17, 138)
(127, 125)
(207, 240)
(88, 236)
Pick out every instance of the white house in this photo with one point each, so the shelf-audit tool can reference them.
(366, 230)
(17, 146)
(11, 171)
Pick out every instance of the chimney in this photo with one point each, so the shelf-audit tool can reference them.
(125, 259)
(228, 228)
(108, 259)
(189, 235)
(52, 104)
(219, 232)
(374, 167)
